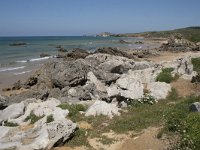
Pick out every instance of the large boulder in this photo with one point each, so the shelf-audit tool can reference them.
(130, 88)
(102, 108)
(93, 79)
(42, 109)
(11, 112)
(44, 133)
(39, 137)
(159, 90)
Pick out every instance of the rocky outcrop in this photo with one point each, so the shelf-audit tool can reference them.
(11, 112)
(43, 134)
(18, 44)
(44, 55)
(114, 51)
(123, 42)
(177, 43)
(139, 42)
(74, 54)
(102, 108)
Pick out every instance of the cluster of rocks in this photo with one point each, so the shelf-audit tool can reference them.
(100, 77)
(177, 43)
(43, 134)
(103, 81)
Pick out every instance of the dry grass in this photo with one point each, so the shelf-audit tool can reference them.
(185, 87)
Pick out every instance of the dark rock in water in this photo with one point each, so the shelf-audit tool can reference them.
(195, 107)
(114, 51)
(3, 102)
(58, 46)
(17, 85)
(77, 53)
(44, 55)
(123, 42)
(139, 42)
(177, 43)
(18, 44)
(62, 50)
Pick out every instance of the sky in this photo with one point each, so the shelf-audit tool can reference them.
(78, 17)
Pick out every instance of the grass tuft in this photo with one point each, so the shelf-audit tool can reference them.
(33, 118)
(50, 119)
(166, 76)
(10, 124)
(196, 64)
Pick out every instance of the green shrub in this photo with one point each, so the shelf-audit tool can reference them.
(79, 139)
(166, 76)
(50, 119)
(10, 124)
(33, 118)
(196, 64)
(73, 109)
(180, 121)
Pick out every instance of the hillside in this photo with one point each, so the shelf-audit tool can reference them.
(190, 33)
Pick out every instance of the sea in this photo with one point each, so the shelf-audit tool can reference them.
(19, 59)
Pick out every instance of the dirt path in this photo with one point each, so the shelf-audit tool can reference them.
(169, 56)
(146, 140)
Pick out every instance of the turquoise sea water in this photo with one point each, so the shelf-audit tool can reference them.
(37, 45)
(18, 59)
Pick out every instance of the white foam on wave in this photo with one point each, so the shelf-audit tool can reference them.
(22, 61)
(11, 68)
(19, 73)
(38, 59)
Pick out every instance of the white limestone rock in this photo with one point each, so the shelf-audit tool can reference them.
(102, 108)
(45, 108)
(93, 79)
(72, 92)
(159, 90)
(38, 137)
(11, 112)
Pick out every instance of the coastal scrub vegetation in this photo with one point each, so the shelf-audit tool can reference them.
(166, 76)
(172, 114)
(74, 109)
(196, 64)
(180, 121)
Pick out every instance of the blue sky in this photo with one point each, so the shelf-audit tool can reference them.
(77, 17)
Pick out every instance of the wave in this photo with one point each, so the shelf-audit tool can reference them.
(22, 61)
(11, 68)
(19, 73)
(38, 59)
